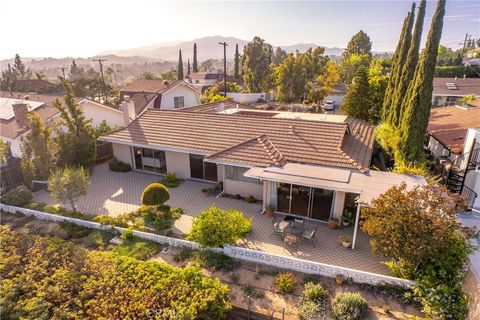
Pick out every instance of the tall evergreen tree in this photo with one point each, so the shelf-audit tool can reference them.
(397, 62)
(188, 67)
(237, 63)
(256, 69)
(76, 145)
(8, 78)
(180, 66)
(357, 102)
(37, 150)
(19, 69)
(359, 44)
(400, 97)
(417, 109)
(195, 61)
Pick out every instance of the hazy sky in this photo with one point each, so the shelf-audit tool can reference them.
(56, 28)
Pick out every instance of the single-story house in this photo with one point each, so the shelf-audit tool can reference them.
(99, 112)
(160, 94)
(308, 167)
(447, 91)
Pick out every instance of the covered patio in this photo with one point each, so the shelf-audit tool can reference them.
(113, 193)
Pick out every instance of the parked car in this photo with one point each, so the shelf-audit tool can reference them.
(329, 105)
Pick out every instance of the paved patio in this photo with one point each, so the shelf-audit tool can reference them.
(113, 193)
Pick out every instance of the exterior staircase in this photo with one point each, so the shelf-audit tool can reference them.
(455, 172)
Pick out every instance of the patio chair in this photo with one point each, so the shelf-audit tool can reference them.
(276, 228)
(309, 234)
(299, 223)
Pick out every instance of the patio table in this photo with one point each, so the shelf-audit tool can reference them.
(283, 224)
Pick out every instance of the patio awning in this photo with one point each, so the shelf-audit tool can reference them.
(369, 185)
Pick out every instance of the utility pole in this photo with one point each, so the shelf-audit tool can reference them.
(224, 44)
(465, 42)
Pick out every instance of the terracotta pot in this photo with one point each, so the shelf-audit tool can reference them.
(206, 194)
(269, 213)
(339, 281)
(346, 244)
(332, 225)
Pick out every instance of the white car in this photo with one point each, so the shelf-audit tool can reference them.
(329, 105)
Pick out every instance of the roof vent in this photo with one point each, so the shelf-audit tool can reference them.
(165, 83)
(451, 86)
(27, 97)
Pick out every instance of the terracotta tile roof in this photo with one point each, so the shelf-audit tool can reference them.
(358, 145)
(299, 141)
(258, 151)
(449, 125)
(149, 86)
(212, 107)
(464, 86)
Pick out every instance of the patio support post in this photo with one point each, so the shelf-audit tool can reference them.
(355, 230)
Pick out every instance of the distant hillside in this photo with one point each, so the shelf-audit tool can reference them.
(207, 48)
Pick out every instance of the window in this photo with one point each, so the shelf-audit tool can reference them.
(236, 174)
(150, 160)
(451, 101)
(178, 102)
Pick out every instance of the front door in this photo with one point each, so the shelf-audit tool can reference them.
(321, 205)
(210, 171)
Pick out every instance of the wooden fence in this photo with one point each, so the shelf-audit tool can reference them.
(104, 151)
(11, 175)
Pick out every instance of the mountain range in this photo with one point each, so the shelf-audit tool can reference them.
(207, 48)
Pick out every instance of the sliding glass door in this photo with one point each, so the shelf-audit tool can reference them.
(202, 170)
(150, 160)
(305, 201)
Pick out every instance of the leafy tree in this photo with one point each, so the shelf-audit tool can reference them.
(20, 71)
(77, 144)
(290, 80)
(236, 74)
(39, 75)
(409, 225)
(278, 56)
(256, 69)
(4, 151)
(408, 69)
(398, 61)
(195, 61)
(215, 227)
(359, 44)
(378, 81)
(212, 95)
(170, 75)
(468, 98)
(180, 66)
(149, 76)
(68, 184)
(357, 102)
(350, 64)
(37, 150)
(448, 57)
(417, 108)
(103, 128)
(76, 73)
(325, 82)
(8, 78)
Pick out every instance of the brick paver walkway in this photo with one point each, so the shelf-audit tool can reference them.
(114, 193)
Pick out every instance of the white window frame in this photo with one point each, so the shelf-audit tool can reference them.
(179, 102)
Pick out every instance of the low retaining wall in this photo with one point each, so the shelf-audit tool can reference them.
(270, 259)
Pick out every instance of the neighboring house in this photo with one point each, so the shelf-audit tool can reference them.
(203, 81)
(32, 85)
(447, 91)
(454, 139)
(160, 94)
(303, 164)
(337, 94)
(218, 106)
(99, 112)
(14, 110)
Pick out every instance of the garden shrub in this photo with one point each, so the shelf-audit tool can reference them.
(215, 227)
(285, 283)
(138, 249)
(249, 292)
(127, 235)
(184, 254)
(18, 196)
(314, 302)
(314, 278)
(159, 218)
(217, 261)
(73, 230)
(155, 194)
(57, 209)
(131, 219)
(119, 166)
(171, 180)
(349, 306)
(97, 239)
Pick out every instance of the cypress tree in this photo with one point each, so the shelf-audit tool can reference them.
(180, 66)
(237, 63)
(195, 61)
(398, 60)
(188, 67)
(357, 102)
(417, 109)
(399, 96)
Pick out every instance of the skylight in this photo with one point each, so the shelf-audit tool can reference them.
(451, 86)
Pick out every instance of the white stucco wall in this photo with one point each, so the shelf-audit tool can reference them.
(178, 163)
(243, 188)
(14, 146)
(190, 97)
(250, 97)
(472, 180)
(122, 153)
(99, 113)
(437, 148)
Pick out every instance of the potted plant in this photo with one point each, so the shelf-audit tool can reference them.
(339, 279)
(206, 191)
(270, 210)
(347, 218)
(345, 240)
(333, 223)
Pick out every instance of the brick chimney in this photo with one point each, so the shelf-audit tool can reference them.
(128, 109)
(20, 110)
